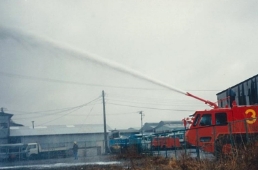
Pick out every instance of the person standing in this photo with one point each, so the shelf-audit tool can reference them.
(75, 150)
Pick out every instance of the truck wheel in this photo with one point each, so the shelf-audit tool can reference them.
(33, 157)
(221, 147)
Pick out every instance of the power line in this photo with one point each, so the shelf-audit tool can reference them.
(109, 114)
(68, 82)
(182, 110)
(154, 103)
(70, 111)
(55, 111)
(78, 83)
(148, 98)
(58, 117)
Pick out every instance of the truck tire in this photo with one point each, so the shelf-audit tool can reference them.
(220, 144)
(33, 157)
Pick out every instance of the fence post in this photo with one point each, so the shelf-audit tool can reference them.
(166, 152)
(48, 150)
(197, 147)
(230, 134)
(214, 138)
(158, 145)
(246, 132)
(231, 137)
(86, 149)
(151, 149)
(185, 141)
(175, 144)
(19, 153)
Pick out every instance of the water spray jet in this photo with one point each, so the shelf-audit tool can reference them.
(82, 55)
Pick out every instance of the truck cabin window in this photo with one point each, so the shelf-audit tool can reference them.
(196, 120)
(221, 118)
(205, 120)
(32, 146)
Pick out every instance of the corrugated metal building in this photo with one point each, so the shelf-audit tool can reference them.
(163, 126)
(168, 126)
(126, 132)
(4, 126)
(86, 135)
(244, 93)
(149, 127)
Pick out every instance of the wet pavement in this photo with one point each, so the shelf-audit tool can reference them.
(58, 163)
(95, 160)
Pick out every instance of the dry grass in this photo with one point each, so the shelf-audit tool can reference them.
(244, 158)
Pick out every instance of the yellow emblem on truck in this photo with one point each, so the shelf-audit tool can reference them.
(253, 116)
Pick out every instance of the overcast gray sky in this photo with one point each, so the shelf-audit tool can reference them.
(47, 50)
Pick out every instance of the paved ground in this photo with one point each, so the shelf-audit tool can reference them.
(94, 160)
(62, 162)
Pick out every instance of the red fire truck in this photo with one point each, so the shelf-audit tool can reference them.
(165, 142)
(218, 130)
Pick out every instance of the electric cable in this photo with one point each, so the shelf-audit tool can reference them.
(69, 82)
(108, 114)
(154, 103)
(77, 83)
(70, 111)
(46, 114)
(153, 108)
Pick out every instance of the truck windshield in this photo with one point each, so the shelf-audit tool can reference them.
(32, 146)
(196, 120)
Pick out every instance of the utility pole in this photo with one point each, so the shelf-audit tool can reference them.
(141, 122)
(105, 126)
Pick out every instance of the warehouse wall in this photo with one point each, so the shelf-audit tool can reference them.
(246, 93)
(48, 141)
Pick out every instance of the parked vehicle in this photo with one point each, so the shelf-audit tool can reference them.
(165, 142)
(180, 136)
(118, 145)
(13, 151)
(36, 151)
(141, 141)
(21, 151)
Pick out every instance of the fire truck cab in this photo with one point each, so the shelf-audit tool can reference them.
(210, 128)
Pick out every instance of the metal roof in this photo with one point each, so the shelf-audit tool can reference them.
(57, 130)
(170, 123)
(149, 126)
(5, 114)
(129, 130)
